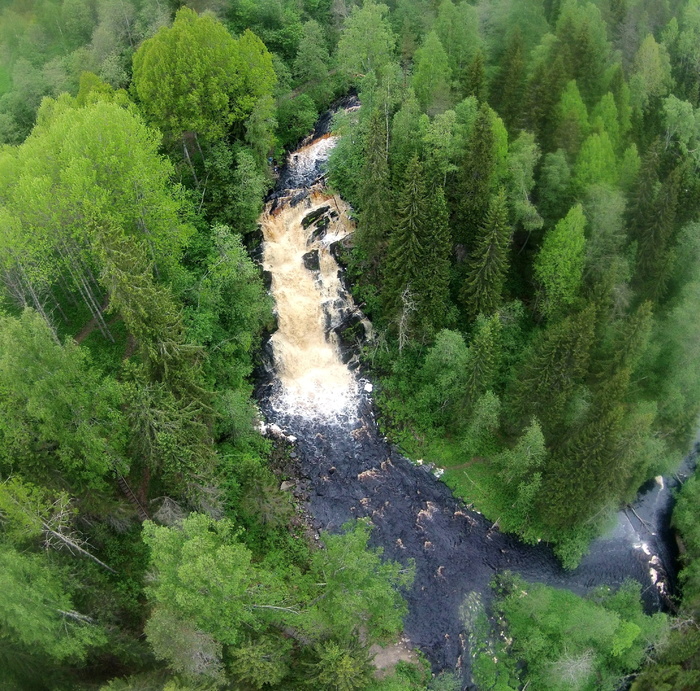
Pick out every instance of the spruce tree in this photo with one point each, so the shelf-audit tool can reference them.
(374, 195)
(559, 264)
(488, 263)
(475, 177)
(571, 120)
(542, 94)
(555, 366)
(484, 358)
(508, 86)
(404, 264)
(475, 78)
(405, 140)
(655, 245)
(434, 282)
(578, 482)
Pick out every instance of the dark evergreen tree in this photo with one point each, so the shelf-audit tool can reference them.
(542, 94)
(488, 262)
(484, 352)
(405, 141)
(435, 279)
(404, 264)
(592, 467)
(374, 195)
(655, 244)
(475, 78)
(475, 177)
(417, 266)
(508, 87)
(554, 367)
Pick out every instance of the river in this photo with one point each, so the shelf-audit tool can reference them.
(315, 392)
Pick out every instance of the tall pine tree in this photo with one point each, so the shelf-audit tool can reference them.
(555, 365)
(508, 86)
(488, 263)
(404, 263)
(475, 177)
(374, 195)
(416, 270)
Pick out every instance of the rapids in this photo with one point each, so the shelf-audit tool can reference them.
(313, 390)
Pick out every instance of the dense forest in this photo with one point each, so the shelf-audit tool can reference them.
(525, 180)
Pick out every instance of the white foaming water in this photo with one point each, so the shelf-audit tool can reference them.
(313, 380)
(302, 163)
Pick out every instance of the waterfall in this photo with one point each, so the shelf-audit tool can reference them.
(346, 470)
(311, 302)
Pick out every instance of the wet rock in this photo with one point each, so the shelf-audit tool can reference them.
(339, 250)
(311, 261)
(351, 334)
(267, 279)
(320, 230)
(314, 216)
(298, 198)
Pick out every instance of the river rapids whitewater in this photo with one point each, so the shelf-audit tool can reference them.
(313, 392)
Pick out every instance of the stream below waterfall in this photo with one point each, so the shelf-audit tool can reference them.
(315, 392)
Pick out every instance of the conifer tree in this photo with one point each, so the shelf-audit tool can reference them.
(475, 78)
(488, 262)
(655, 245)
(571, 120)
(483, 361)
(435, 280)
(374, 194)
(559, 264)
(405, 141)
(542, 94)
(475, 177)
(404, 263)
(596, 163)
(508, 86)
(578, 481)
(556, 364)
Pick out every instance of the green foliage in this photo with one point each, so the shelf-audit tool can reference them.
(596, 163)
(36, 610)
(295, 117)
(353, 589)
(311, 63)
(367, 41)
(203, 577)
(58, 413)
(431, 79)
(374, 225)
(556, 363)
(229, 309)
(415, 275)
(338, 669)
(523, 157)
(488, 263)
(571, 120)
(569, 642)
(477, 175)
(194, 76)
(559, 264)
(261, 663)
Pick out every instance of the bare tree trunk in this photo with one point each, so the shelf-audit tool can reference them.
(77, 270)
(36, 301)
(189, 160)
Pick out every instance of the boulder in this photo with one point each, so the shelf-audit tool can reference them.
(312, 261)
(314, 216)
